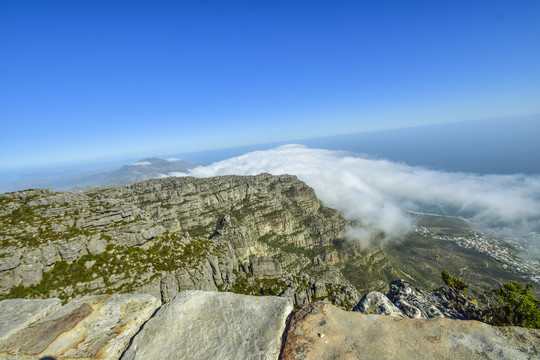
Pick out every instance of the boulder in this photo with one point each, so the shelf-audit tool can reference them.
(416, 303)
(212, 325)
(323, 331)
(376, 303)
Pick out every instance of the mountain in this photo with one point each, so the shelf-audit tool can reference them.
(255, 235)
(71, 179)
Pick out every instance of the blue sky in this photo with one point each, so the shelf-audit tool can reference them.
(101, 80)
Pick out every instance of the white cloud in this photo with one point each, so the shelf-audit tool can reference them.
(173, 159)
(378, 192)
(141, 163)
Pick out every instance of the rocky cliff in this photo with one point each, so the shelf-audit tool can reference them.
(217, 325)
(264, 235)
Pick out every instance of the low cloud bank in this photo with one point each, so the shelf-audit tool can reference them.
(141, 163)
(378, 192)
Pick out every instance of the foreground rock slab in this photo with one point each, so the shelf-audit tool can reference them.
(212, 325)
(323, 331)
(91, 327)
(16, 314)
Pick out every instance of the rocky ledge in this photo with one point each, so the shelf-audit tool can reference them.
(217, 325)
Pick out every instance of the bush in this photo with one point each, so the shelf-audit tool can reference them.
(516, 306)
(453, 281)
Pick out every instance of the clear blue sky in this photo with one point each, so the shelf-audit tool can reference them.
(83, 80)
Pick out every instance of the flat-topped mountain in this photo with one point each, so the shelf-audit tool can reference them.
(263, 235)
(259, 234)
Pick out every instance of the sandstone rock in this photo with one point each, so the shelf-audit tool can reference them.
(320, 289)
(169, 288)
(211, 325)
(322, 331)
(184, 281)
(202, 277)
(415, 303)
(16, 314)
(5, 285)
(152, 288)
(49, 254)
(30, 274)
(96, 245)
(10, 261)
(265, 266)
(70, 250)
(92, 327)
(376, 303)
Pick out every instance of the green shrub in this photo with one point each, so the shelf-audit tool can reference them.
(516, 306)
(453, 281)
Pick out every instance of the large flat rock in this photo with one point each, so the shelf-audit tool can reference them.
(91, 327)
(212, 325)
(323, 331)
(16, 314)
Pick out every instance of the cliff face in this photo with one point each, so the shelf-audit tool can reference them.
(259, 234)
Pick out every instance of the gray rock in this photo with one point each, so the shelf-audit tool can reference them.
(49, 254)
(320, 289)
(30, 274)
(5, 286)
(184, 281)
(70, 250)
(211, 325)
(152, 288)
(376, 303)
(169, 288)
(96, 245)
(10, 261)
(89, 328)
(203, 278)
(416, 303)
(265, 266)
(17, 314)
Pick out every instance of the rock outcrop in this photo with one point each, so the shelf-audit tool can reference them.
(216, 325)
(210, 325)
(91, 327)
(404, 301)
(322, 331)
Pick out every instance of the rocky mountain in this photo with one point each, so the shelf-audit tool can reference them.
(264, 234)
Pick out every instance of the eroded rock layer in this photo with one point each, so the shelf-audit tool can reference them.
(264, 235)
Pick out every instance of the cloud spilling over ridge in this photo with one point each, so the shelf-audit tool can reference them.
(378, 192)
